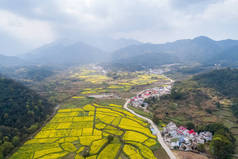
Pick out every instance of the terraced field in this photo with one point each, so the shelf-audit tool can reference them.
(93, 131)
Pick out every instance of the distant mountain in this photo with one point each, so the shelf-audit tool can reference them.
(22, 111)
(143, 61)
(224, 44)
(135, 50)
(227, 57)
(111, 45)
(200, 49)
(65, 54)
(6, 61)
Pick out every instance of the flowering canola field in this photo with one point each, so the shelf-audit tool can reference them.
(106, 84)
(93, 131)
(91, 76)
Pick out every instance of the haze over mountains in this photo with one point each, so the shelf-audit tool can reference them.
(65, 54)
(125, 51)
(10, 61)
(201, 49)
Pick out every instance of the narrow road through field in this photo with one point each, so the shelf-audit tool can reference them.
(158, 134)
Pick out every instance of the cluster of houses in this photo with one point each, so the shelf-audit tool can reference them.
(139, 100)
(184, 139)
(98, 68)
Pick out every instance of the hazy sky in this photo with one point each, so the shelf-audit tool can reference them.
(27, 24)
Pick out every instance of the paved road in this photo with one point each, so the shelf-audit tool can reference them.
(158, 134)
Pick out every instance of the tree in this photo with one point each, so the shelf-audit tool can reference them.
(110, 138)
(221, 147)
(155, 119)
(85, 152)
(176, 94)
(218, 104)
(33, 128)
(15, 140)
(1, 155)
(214, 127)
(6, 147)
(190, 125)
(234, 109)
(201, 147)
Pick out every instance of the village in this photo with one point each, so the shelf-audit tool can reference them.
(139, 100)
(179, 138)
(183, 139)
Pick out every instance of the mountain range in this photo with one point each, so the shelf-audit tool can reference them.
(201, 49)
(125, 52)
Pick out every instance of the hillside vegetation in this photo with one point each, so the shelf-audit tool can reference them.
(204, 95)
(204, 100)
(224, 81)
(21, 113)
(26, 74)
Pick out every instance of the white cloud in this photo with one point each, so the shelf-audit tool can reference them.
(29, 31)
(146, 20)
(219, 20)
(153, 20)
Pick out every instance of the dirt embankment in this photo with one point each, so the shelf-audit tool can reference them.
(188, 155)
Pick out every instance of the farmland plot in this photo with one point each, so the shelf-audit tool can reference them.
(94, 131)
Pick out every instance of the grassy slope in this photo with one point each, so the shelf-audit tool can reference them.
(195, 104)
(141, 112)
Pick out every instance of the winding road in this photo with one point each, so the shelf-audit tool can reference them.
(157, 132)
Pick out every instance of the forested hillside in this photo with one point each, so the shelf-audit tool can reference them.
(27, 73)
(21, 113)
(224, 81)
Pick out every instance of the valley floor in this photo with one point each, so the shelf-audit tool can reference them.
(86, 126)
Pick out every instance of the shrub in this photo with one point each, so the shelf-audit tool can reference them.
(201, 147)
(110, 138)
(190, 125)
(85, 152)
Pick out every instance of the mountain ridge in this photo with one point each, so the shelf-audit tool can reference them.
(200, 49)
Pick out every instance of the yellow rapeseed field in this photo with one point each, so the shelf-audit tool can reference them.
(88, 129)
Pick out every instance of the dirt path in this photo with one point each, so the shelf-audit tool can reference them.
(157, 132)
